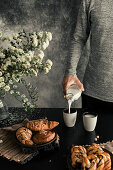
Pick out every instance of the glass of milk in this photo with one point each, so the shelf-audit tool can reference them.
(70, 119)
(89, 121)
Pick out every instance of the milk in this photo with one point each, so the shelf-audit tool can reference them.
(90, 116)
(72, 94)
(89, 121)
(69, 105)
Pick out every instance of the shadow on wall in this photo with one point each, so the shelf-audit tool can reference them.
(58, 17)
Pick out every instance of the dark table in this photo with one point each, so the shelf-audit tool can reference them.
(56, 160)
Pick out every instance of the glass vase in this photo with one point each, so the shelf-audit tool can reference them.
(4, 113)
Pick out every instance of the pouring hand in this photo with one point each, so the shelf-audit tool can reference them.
(70, 80)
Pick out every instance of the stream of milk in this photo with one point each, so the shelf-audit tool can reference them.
(69, 105)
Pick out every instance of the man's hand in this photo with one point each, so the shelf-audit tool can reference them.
(69, 80)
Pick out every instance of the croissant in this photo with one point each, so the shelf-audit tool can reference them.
(42, 124)
(24, 136)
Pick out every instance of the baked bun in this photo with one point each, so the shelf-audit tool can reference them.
(94, 149)
(43, 137)
(39, 125)
(24, 136)
(79, 157)
(92, 157)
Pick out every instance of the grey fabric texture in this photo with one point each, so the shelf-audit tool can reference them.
(95, 21)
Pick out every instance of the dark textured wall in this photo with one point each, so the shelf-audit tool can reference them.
(56, 16)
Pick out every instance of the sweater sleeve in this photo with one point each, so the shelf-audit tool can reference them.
(79, 38)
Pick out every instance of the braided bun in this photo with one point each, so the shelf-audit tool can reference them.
(93, 158)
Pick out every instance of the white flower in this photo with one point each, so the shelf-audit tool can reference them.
(47, 42)
(20, 74)
(28, 103)
(48, 66)
(9, 38)
(13, 57)
(14, 63)
(15, 36)
(1, 79)
(17, 79)
(15, 86)
(12, 92)
(28, 57)
(44, 45)
(5, 67)
(19, 50)
(7, 88)
(1, 104)
(11, 48)
(40, 34)
(25, 100)
(27, 65)
(2, 84)
(8, 62)
(31, 53)
(41, 53)
(2, 55)
(18, 59)
(35, 41)
(49, 62)
(49, 36)
(13, 77)
(18, 93)
(22, 58)
(40, 56)
(31, 106)
(19, 40)
(23, 34)
(34, 72)
(0, 73)
(10, 82)
(46, 70)
(23, 96)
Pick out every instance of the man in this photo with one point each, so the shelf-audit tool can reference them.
(95, 21)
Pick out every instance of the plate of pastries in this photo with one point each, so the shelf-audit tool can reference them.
(91, 157)
(36, 133)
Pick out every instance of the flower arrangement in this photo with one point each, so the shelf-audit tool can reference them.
(22, 55)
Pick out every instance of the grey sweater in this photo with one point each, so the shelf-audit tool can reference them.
(95, 20)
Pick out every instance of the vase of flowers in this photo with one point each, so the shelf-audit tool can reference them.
(22, 55)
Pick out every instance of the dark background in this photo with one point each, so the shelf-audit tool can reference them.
(57, 16)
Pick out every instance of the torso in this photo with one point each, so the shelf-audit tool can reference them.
(98, 80)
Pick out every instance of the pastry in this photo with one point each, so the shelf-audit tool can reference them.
(93, 158)
(94, 149)
(79, 157)
(78, 149)
(42, 124)
(100, 165)
(43, 137)
(24, 136)
(93, 161)
(107, 163)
